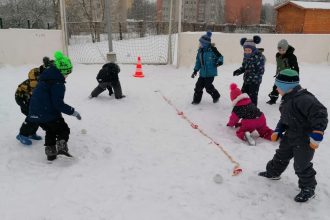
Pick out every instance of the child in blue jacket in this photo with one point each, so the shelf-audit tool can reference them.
(207, 60)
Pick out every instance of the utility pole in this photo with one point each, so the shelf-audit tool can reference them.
(179, 34)
(169, 54)
(63, 28)
(111, 56)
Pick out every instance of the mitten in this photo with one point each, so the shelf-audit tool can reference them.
(237, 72)
(315, 139)
(194, 74)
(277, 134)
(77, 115)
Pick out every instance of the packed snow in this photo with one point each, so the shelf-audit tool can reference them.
(136, 158)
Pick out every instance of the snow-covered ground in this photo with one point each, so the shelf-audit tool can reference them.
(140, 160)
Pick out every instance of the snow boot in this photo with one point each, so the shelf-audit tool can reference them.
(305, 194)
(215, 96)
(269, 176)
(271, 102)
(23, 139)
(249, 139)
(51, 152)
(62, 148)
(216, 99)
(35, 137)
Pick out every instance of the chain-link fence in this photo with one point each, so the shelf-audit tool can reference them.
(146, 28)
(137, 30)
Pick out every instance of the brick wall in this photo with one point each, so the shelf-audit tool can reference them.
(245, 12)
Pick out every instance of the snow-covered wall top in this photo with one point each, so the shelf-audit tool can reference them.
(28, 46)
(310, 48)
(313, 5)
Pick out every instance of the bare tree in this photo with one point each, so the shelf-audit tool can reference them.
(18, 13)
(268, 14)
(91, 10)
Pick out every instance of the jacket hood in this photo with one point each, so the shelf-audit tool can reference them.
(51, 74)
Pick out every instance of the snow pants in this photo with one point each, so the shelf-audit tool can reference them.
(258, 124)
(27, 128)
(206, 83)
(302, 154)
(252, 90)
(55, 130)
(113, 87)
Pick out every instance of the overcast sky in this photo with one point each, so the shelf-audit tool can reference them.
(268, 1)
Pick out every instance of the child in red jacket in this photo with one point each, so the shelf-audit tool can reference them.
(251, 117)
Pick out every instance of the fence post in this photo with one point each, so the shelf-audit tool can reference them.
(1, 26)
(29, 25)
(120, 32)
(48, 26)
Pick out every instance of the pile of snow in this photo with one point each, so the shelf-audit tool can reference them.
(135, 158)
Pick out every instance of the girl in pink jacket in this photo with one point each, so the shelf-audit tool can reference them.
(246, 116)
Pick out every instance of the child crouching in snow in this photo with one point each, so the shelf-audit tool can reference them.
(108, 79)
(252, 117)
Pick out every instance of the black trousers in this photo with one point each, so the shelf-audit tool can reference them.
(27, 128)
(252, 90)
(273, 95)
(113, 87)
(300, 151)
(55, 130)
(206, 83)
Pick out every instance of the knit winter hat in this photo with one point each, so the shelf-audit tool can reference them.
(63, 63)
(234, 91)
(287, 80)
(250, 43)
(283, 44)
(205, 40)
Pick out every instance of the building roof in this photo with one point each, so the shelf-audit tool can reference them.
(307, 5)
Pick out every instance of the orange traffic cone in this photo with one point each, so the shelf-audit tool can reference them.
(138, 71)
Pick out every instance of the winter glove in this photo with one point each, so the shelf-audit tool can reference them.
(194, 74)
(277, 134)
(77, 115)
(219, 64)
(237, 72)
(315, 139)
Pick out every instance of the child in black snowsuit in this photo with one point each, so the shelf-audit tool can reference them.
(303, 119)
(22, 96)
(285, 59)
(253, 67)
(108, 79)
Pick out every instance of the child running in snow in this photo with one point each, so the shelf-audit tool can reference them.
(304, 120)
(251, 117)
(207, 60)
(47, 105)
(253, 67)
(108, 79)
(22, 96)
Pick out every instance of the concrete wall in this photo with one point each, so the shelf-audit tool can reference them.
(28, 46)
(310, 48)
